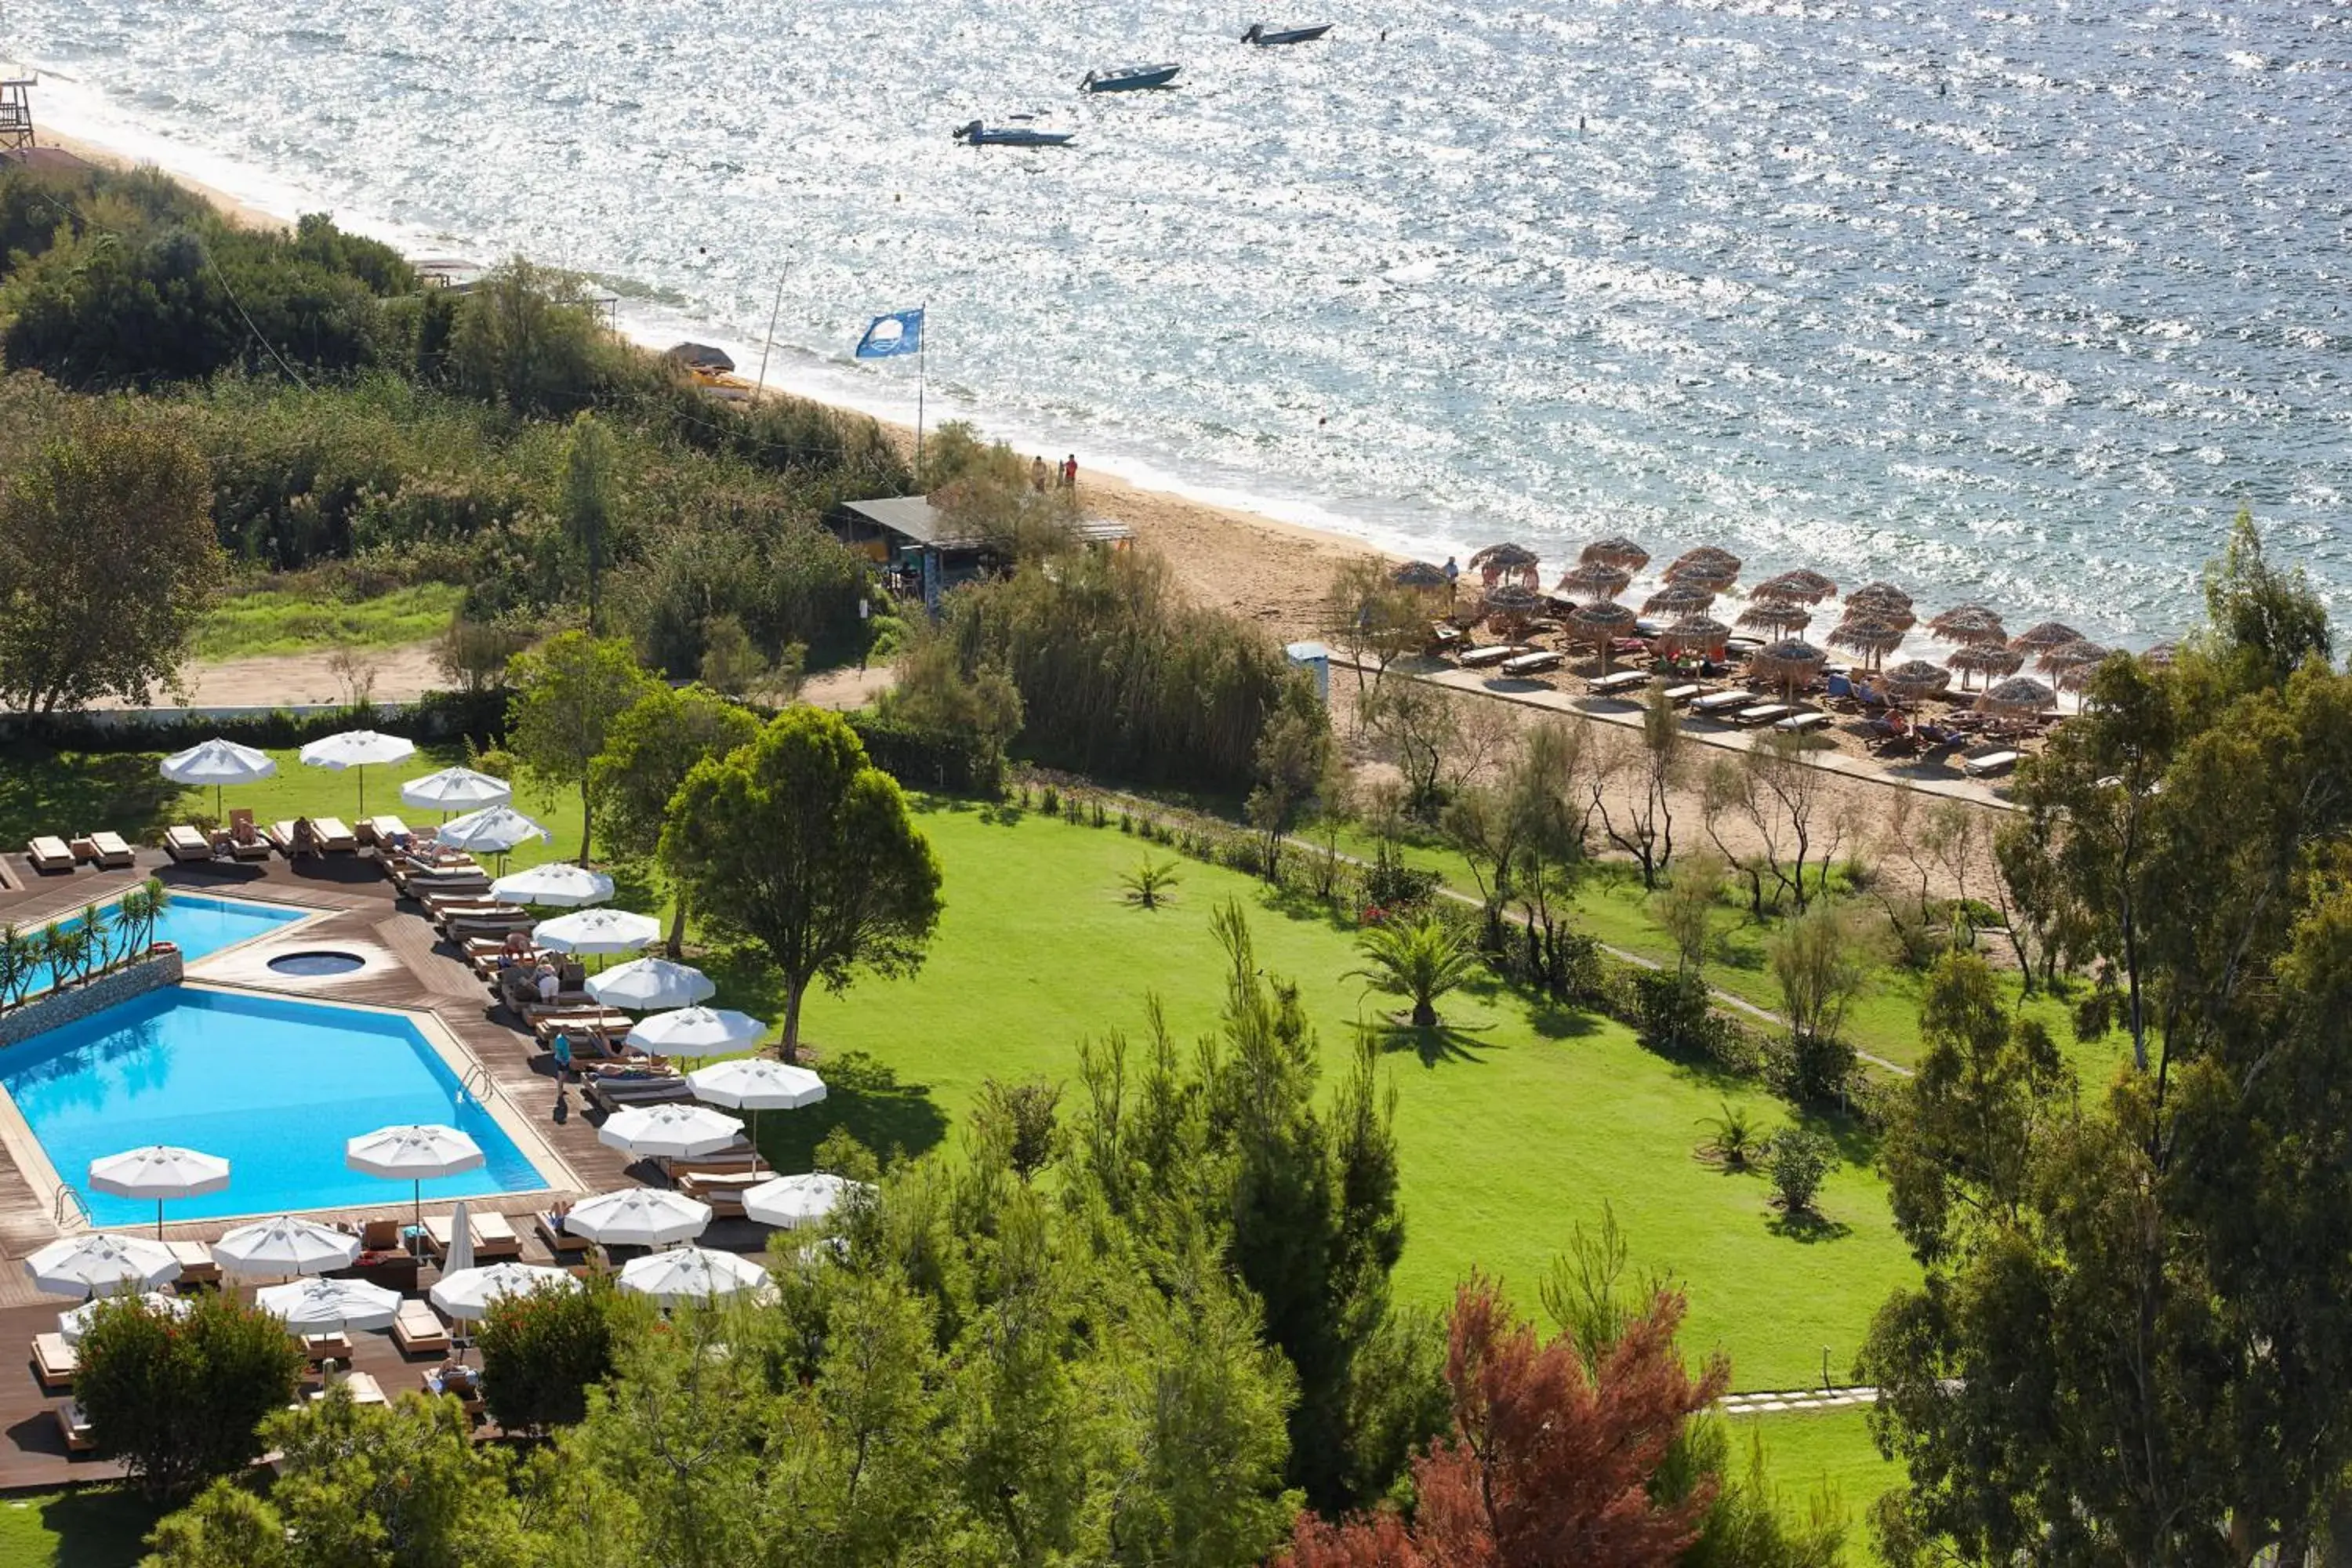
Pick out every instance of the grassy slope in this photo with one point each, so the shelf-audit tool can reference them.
(273, 622)
(98, 1528)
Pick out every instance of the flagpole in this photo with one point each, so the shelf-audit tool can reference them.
(774, 316)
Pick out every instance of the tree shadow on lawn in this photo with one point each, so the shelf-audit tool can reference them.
(70, 793)
(102, 1527)
(1558, 1021)
(864, 1098)
(1808, 1227)
(1444, 1043)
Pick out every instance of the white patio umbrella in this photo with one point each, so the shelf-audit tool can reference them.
(597, 930)
(217, 763)
(96, 1263)
(461, 1241)
(696, 1032)
(558, 883)
(159, 1170)
(493, 830)
(754, 1084)
(639, 1216)
(456, 789)
(669, 1132)
(414, 1153)
(330, 1306)
(691, 1274)
(643, 984)
(466, 1294)
(75, 1322)
(282, 1247)
(357, 748)
(793, 1201)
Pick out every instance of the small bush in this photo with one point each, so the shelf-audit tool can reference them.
(181, 1400)
(542, 1352)
(1797, 1161)
(1151, 884)
(1017, 1120)
(1732, 1136)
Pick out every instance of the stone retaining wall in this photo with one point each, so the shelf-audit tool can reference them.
(57, 1008)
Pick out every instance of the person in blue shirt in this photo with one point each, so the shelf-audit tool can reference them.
(562, 1064)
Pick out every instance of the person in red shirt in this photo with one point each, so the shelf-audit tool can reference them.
(1070, 472)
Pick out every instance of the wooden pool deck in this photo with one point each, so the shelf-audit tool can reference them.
(357, 910)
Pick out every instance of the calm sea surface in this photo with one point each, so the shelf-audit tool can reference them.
(2012, 301)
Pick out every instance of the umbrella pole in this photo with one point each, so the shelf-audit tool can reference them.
(159, 1219)
(419, 1196)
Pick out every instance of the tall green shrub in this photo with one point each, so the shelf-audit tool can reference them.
(179, 1401)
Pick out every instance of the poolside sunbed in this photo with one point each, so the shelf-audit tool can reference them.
(49, 853)
(610, 1094)
(494, 1237)
(73, 1422)
(361, 1386)
(245, 841)
(184, 843)
(468, 1393)
(559, 1241)
(333, 836)
(105, 850)
(1719, 701)
(418, 1330)
(54, 1362)
(381, 829)
(196, 1261)
(1989, 764)
(327, 1347)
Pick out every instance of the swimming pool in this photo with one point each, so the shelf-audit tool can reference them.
(198, 924)
(271, 1084)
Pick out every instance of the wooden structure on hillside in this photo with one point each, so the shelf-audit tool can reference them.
(925, 554)
(16, 109)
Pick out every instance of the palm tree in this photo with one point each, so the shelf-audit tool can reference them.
(98, 929)
(1150, 884)
(158, 898)
(62, 946)
(18, 958)
(1421, 959)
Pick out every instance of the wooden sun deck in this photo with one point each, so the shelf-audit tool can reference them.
(409, 968)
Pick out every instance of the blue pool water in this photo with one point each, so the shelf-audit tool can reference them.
(200, 926)
(273, 1086)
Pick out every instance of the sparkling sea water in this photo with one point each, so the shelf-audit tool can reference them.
(273, 1086)
(2019, 302)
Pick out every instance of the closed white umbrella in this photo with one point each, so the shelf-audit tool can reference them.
(639, 1216)
(73, 1323)
(456, 789)
(754, 1084)
(696, 1032)
(669, 1132)
(466, 1294)
(461, 1241)
(330, 1306)
(597, 930)
(691, 1274)
(217, 763)
(159, 1170)
(643, 984)
(357, 748)
(414, 1153)
(96, 1263)
(493, 830)
(792, 1201)
(559, 883)
(282, 1247)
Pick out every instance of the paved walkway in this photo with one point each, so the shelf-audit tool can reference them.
(1834, 1398)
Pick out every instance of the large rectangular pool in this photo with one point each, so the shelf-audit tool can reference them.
(275, 1087)
(199, 925)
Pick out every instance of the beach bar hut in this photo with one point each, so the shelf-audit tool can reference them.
(926, 553)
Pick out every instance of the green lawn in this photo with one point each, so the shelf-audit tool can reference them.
(1808, 1453)
(97, 1528)
(272, 621)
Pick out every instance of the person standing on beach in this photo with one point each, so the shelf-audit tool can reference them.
(1037, 474)
(1070, 472)
(1452, 573)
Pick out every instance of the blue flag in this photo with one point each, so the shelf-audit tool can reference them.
(900, 332)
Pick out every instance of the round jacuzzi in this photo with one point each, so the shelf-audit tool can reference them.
(309, 966)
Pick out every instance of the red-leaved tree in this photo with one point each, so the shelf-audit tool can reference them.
(1550, 1460)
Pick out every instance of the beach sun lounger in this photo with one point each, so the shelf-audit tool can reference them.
(49, 853)
(1493, 653)
(1762, 713)
(1533, 663)
(1799, 723)
(1990, 764)
(1621, 682)
(184, 843)
(418, 1330)
(1678, 695)
(54, 1362)
(1717, 702)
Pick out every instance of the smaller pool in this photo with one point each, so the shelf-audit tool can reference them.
(199, 925)
(310, 964)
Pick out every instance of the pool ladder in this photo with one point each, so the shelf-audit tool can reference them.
(69, 1207)
(484, 1091)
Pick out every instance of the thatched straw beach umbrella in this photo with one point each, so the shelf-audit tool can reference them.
(1695, 634)
(1985, 658)
(1601, 623)
(1867, 635)
(2048, 635)
(1498, 563)
(1706, 558)
(1777, 617)
(1878, 596)
(2065, 655)
(1595, 580)
(1615, 551)
(1797, 587)
(2161, 656)
(1968, 624)
(1914, 679)
(1711, 576)
(1512, 606)
(1678, 599)
(1789, 665)
(2022, 695)
(1418, 574)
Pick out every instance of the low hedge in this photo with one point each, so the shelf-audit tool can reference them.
(437, 716)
